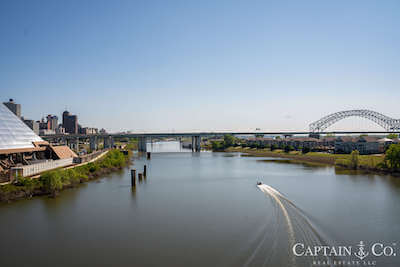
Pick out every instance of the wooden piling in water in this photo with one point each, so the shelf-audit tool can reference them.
(144, 171)
(133, 178)
(140, 175)
(148, 155)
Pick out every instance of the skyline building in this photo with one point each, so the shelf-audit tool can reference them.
(52, 122)
(70, 122)
(14, 107)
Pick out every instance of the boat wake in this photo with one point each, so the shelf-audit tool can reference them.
(289, 226)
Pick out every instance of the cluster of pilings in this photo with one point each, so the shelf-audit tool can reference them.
(141, 176)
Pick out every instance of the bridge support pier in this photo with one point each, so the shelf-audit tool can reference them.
(107, 142)
(93, 143)
(142, 147)
(196, 143)
(77, 144)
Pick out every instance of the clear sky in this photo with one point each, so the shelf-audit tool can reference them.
(200, 65)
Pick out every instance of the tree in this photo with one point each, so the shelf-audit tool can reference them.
(392, 157)
(288, 148)
(273, 147)
(216, 145)
(305, 150)
(52, 181)
(354, 159)
(229, 140)
(392, 136)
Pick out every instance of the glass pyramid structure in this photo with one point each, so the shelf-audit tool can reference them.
(14, 133)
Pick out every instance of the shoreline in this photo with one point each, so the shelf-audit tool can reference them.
(319, 158)
(51, 183)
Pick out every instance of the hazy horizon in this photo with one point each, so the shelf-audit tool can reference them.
(197, 66)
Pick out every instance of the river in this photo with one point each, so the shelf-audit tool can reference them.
(204, 209)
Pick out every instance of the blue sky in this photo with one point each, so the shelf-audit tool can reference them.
(201, 65)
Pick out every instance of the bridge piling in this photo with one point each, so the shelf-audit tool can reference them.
(144, 171)
(142, 147)
(133, 178)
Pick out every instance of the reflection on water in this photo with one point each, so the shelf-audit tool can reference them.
(201, 209)
(162, 147)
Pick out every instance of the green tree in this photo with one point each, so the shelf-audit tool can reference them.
(393, 136)
(215, 145)
(392, 157)
(229, 140)
(273, 147)
(354, 159)
(288, 148)
(305, 150)
(52, 181)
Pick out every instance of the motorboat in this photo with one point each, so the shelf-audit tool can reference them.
(259, 183)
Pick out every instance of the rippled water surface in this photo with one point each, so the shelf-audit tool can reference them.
(202, 209)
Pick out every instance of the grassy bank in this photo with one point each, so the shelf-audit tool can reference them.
(374, 163)
(52, 182)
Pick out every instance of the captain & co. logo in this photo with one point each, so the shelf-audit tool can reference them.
(360, 254)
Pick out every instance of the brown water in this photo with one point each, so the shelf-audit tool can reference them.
(203, 209)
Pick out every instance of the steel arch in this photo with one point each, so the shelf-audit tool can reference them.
(384, 121)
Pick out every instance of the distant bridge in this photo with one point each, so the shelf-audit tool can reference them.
(316, 128)
(196, 136)
(387, 123)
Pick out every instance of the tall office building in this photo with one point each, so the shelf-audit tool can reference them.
(70, 123)
(14, 107)
(52, 122)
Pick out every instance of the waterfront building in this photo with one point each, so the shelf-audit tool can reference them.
(70, 123)
(22, 152)
(364, 144)
(14, 107)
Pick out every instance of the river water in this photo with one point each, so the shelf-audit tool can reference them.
(204, 209)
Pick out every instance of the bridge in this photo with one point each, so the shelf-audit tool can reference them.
(196, 136)
(389, 124)
(317, 128)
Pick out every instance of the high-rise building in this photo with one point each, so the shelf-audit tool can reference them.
(14, 107)
(70, 123)
(43, 124)
(52, 122)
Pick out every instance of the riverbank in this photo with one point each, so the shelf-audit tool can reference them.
(52, 182)
(369, 163)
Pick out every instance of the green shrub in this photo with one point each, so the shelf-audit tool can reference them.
(305, 150)
(392, 157)
(52, 181)
(354, 160)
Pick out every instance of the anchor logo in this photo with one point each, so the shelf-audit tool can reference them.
(361, 254)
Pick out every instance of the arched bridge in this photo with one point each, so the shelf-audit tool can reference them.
(389, 124)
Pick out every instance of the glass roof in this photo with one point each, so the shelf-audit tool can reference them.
(14, 133)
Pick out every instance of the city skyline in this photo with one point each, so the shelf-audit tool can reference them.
(158, 66)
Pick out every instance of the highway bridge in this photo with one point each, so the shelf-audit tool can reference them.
(317, 128)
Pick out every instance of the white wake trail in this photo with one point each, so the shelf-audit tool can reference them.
(275, 195)
(299, 227)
